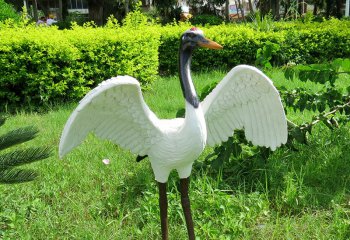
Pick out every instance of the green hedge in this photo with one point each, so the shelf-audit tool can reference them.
(239, 41)
(316, 42)
(299, 43)
(39, 64)
(45, 64)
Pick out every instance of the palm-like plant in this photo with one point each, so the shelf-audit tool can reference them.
(10, 160)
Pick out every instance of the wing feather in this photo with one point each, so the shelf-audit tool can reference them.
(270, 134)
(216, 135)
(228, 123)
(263, 128)
(256, 126)
(247, 99)
(114, 110)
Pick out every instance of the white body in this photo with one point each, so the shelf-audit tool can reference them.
(182, 141)
(115, 110)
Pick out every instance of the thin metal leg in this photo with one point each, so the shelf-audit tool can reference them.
(163, 205)
(186, 206)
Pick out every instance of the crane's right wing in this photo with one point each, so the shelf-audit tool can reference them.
(114, 110)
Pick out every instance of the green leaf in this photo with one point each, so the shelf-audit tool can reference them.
(217, 162)
(2, 120)
(207, 89)
(23, 156)
(12, 176)
(17, 136)
(180, 113)
(299, 135)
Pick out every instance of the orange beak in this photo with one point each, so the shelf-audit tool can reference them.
(207, 43)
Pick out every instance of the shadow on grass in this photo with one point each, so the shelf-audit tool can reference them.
(123, 197)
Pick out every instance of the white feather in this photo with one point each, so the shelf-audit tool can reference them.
(117, 123)
(256, 104)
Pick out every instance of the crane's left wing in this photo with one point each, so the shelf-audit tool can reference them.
(114, 110)
(245, 99)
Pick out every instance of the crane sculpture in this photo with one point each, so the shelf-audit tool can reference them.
(115, 110)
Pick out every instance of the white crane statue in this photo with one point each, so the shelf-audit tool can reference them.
(115, 110)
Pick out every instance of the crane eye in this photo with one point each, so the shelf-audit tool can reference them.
(191, 35)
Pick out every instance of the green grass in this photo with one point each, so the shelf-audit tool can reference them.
(294, 195)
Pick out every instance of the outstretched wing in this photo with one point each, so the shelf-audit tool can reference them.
(245, 99)
(114, 110)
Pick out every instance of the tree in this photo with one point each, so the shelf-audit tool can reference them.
(7, 11)
(96, 11)
(168, 10)
(10, 160)
(62, 10)
(100, 10)
(334, 8)
(206, 6)
(17, 4)
(270, 6)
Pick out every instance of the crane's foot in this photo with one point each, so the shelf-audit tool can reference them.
(163, 205)
(186, 206)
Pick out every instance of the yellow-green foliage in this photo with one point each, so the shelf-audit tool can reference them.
(240, 44)
(39, 64)
(299, 42)
(46, 64)
(315, 42)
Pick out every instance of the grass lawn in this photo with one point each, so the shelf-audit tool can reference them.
(294, 195)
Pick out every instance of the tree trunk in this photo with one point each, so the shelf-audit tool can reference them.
(339, 5)
(126, 6)
(59, 12)
(251, 9)
(315, 9)
(240, 6)
(264, 7)
(35, 11)
(237, 8)
(286, 7)
(329, 5)
(227, 10)
(96, 11)
(276, 9)
(43, 6)
(62, 10)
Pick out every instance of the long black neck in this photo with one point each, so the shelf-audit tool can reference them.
(185, 56)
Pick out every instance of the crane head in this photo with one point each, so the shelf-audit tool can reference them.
(194, 37)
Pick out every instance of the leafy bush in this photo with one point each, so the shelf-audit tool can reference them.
(240, 46)
(317, 42)
(262, 23)
(40, 64)
(10, 160)
(7, 11)
(298, 42)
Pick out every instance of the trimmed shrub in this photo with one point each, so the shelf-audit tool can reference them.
(240, 45)
(316, 42)
(40, 64)
(299, 43)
